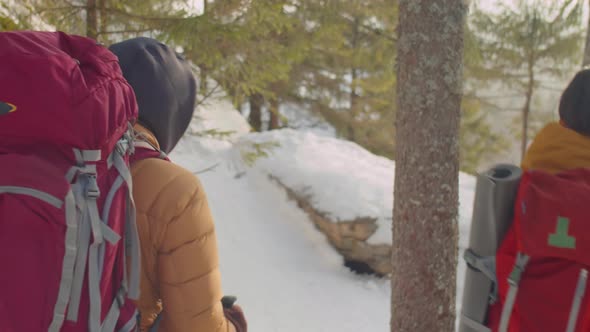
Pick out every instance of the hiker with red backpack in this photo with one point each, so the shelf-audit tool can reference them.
(180, 279)
(530, 239)
(75, 181)
(67, 216)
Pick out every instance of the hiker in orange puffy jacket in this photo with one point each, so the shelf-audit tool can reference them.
(565, 145)
(181, 282)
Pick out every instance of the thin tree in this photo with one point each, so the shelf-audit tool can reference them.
(529, 43)
(429, 91)
(586, 60)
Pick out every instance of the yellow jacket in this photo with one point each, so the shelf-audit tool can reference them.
(180, 270)
(556, 149)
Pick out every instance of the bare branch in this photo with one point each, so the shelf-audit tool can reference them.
(208, 94)
(125, 31)
(210, 168)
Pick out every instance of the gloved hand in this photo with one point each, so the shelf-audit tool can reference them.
(234, 313)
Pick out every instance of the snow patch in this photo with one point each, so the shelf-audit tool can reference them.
(342, 180)
(285, 274)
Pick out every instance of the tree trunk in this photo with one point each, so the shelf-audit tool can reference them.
(429, 91)
(202, 68)
(525, 127)
(104, 22)
(91, 19)
(526, 110)
(274, 114)
(354, 107)
(586, 60)
(203, 79)
(255, 117)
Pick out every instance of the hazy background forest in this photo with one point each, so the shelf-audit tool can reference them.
(334, 61)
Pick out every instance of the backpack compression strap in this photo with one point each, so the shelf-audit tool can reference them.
(86, 192)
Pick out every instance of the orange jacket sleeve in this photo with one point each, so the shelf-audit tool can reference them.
(188, 267)
(180, 265)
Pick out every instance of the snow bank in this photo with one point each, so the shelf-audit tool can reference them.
(286, 275)
(217, 113)
(342, 180)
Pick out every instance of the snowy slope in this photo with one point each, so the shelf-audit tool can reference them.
(284, 272)
(286, 275)
(342, 179)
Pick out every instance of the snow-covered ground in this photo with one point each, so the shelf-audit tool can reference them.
(283, 270)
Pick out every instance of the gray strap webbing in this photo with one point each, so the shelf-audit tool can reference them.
(135, 255)
(84, 233)
(90, 169)
(79, 157)
(106, 211)
(110, 161)
(486, 265)
(94, 289)
(67, 272)
(578, 297)
(105, 217)
(131, 235)
(513, 280)
(91, 224)
(93, 276)
(92, 193)
(112, 316)
(91, 155)
(131, 241)
(86, 192)
(41, 195)
(109, 235)
(87, 155)
(130, 325)
(476, 326)
(72, 173)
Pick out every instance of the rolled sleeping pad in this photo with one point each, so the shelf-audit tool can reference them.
(495, 193)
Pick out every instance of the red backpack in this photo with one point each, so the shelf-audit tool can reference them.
(67, 219)
(541, 266)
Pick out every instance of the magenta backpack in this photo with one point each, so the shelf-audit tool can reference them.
(69, 251)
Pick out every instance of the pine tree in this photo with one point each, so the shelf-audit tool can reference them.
(7, 24)
(349, 74)
(14, 15)
(252, 46)
(429, 91)
(109, 20)
(477, 140)
(535, 41)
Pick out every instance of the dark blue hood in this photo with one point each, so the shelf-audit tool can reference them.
(164, 86)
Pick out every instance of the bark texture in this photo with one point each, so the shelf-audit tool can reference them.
(255, 117)
(91, 19)
(274, 114)
(429, 89)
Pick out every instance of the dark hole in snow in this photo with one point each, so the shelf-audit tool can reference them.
(501, 173)
(361, 268)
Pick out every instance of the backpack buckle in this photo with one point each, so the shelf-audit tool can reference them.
(92, 190)
(125, 144)
(519, 266)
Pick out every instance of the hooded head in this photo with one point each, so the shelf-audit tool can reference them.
(164, 86)
(574, 106)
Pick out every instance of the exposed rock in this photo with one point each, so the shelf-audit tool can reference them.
(348, 237)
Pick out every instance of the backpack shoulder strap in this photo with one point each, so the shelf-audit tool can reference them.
(143, 149)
